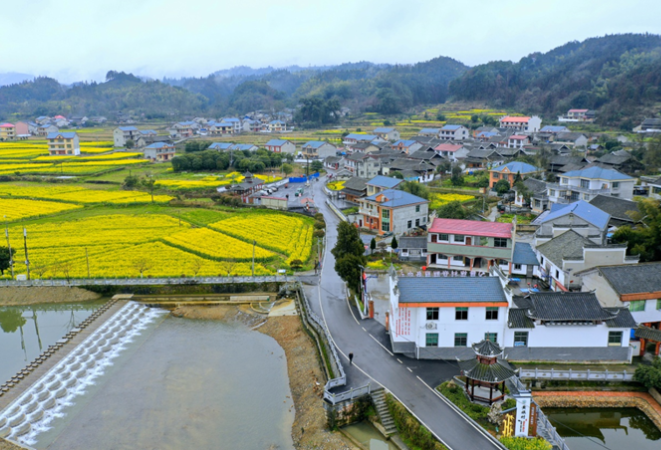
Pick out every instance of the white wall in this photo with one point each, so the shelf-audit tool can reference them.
(567, 336)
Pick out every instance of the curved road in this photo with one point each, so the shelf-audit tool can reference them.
(374, 362)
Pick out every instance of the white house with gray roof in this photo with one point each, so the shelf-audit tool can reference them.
(582, 217)
(585, 184)
(453, 133)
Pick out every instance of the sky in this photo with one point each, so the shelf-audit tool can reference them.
(76, 40)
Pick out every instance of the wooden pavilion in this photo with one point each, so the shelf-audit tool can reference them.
(486, 372)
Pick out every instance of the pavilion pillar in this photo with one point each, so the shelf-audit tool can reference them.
(490, 393)
(656, 350)
(642, 347)
(510, 267)
(472, 261)
(449, 261)
(473, 390)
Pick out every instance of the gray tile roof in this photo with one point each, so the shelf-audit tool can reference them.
(487, 348)
(618, 208)
(567, 306)
(644, 332)
(491, 373)
(623, 319)
(517, 319)
(394, 198)
(439, 290)
(356, 184)
(409, 242)
(633, 278)
(524, 254)
(567, 245)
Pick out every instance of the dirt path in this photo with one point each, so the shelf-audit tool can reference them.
(306, 378)
(14, 296)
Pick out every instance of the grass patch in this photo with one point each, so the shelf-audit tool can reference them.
(476, 412)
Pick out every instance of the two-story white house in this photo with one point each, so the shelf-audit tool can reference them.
(122, 134)
(517, 141)
(453, 133)
(521, 124)
(452, 152)
(582, 217)
(585, 184)
(280, 146)
(393, 211)
(387, 133)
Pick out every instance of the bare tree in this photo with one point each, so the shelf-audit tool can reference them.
(141, 265)
(39, 270)
(227, 266)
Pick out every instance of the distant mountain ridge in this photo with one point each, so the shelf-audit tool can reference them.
(618, 75)
(13, 78)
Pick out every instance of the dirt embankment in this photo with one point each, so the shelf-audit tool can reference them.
(6, 445)
(13, 296)
(306, 379)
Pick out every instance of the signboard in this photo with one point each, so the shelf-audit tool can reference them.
(523, 401)
(404, 322)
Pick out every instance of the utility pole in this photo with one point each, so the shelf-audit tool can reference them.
(253, 257)
(11, 258)
(25, 244)
(87, 257)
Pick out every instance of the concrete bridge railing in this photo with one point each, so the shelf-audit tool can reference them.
(151, 281)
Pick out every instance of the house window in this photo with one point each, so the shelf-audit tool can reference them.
(434, 237)
(492, 313)
(541, 261)
(417, 222)
(458, 258)
(432, 313)
(500, 242)
(563, 181)
(520, 338)
(585, 183)
(408, 225)
(484, 241)
(551, 192)
(417, 208)
(616, 184)
(517, 266)
(614, 338)
(460, 339)
(443, 237)
(431, 340)
(385, 226)
(557, 274)
(586, 197)
(459, 238)
(637, 305)
(461, 314)
(439, 256)
(493, 337)
(658, 305)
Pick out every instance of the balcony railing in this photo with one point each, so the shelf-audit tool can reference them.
(582, 190)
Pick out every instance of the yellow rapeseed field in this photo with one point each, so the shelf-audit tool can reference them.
(438, 200)
(15, 209)
(75, 194)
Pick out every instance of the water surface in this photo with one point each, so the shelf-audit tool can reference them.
(25, 331)
(610, 428)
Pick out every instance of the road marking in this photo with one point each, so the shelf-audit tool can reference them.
(409, 369)
(456, 408)
(382, 346)
(364, 329)
(399, 361)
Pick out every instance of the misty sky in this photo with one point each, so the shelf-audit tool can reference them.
(82, 39)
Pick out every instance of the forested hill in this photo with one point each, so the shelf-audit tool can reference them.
(616, 74)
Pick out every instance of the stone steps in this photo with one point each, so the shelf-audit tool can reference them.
(379, 399)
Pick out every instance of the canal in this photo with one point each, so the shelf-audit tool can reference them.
(605, 428)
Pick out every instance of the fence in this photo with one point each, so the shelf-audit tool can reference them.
(569, 374)
(544, 428)
(303, 179)
(148, 281)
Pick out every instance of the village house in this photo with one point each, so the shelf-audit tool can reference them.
(393, 211)
(620, 160)
(432, 132)
(7, 132)
(363, 165)
(63, 143)
(636, 287)
(482, 158)
(517, 141)
(221, 146)
(654, 187)
(554, 129)
(220, 128)
(582, 217)
(585, 184)
(510, 171)
(280, 146)
(524, 260)
(521, 124)
(146, 137)
(380, 183)
(406, 146)
(244, 147)
(24, 130)
(411, 169)
(123, 134)
(621, 211)
(354, 188)
(235, 122)
(159, 151)
(277, 126)
(247, 187)
(387, 133)
(46, 129)
(413, 248)
(576, 140)
(184, 129)
(318, 150)
(452, 152)
(366, 147)
(333, 162)
(564, 255)
(537, 191)
(453, 133)
(649, 126)
(469, 244)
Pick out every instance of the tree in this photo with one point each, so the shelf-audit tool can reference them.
(11, 320)
(397, 174)
(373, 245)
(129, 144)
(141, 265)
(457, 178)
(131, 181)
(502, 186)
(287, 169)
(6, 258)
(227, 266)
(523, 191)
(150, 185)
(643, 240)
(652, 156)
(649, 376)
(316, 166)
(349, 255)
(452, 210)
(415, 188)
(348, 268)
(440, 117)
(444, 167)
(394, 244)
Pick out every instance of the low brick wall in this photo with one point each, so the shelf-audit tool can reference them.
(595, 399)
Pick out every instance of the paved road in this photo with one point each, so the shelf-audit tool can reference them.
(372, 360)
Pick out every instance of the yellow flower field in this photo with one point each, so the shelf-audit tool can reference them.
(15, 209)
(438, 200)
(190, 184)
(335, 185)
(108, 157)
(123, 245)
(75, 194)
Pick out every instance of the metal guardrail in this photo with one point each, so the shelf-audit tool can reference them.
(148, 281)
(348, 395)
(569, 374)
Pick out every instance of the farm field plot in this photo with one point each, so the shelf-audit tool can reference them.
(75, 194)
(438, 200)
(160, 241)
(15, 209)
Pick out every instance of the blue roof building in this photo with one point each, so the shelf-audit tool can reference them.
(598, 173)
(220, 146)
(517, 167)
(393, 211)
